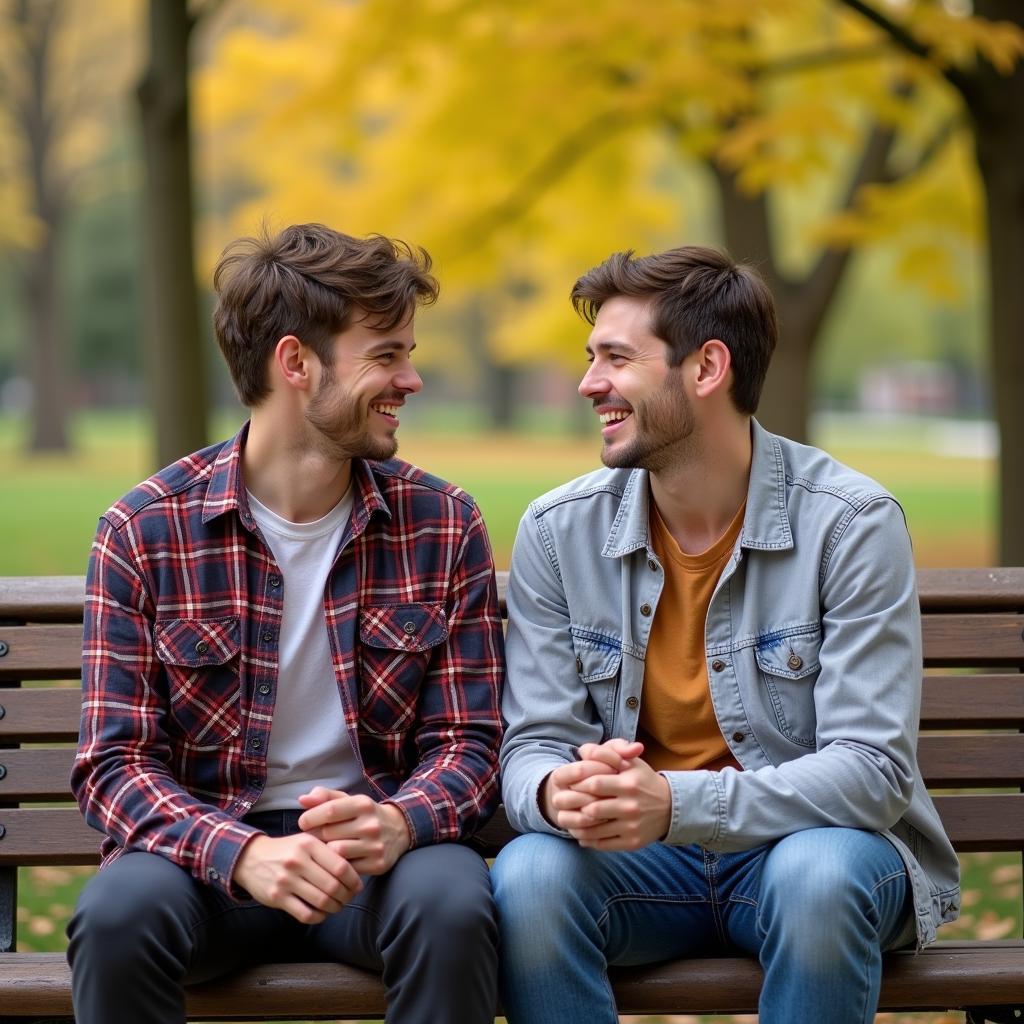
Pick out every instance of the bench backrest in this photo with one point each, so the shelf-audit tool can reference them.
(972, 717)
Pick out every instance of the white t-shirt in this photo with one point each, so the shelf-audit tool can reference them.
(309, 744)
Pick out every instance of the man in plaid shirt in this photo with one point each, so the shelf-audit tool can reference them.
(291, 670)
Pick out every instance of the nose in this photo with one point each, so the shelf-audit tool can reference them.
(408, 380)
(593, 383)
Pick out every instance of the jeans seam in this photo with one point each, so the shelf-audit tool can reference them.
(643, 897)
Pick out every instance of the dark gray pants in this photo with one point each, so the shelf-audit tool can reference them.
(143, 928)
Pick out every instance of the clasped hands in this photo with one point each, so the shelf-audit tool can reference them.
(317, 871)
(609, 799)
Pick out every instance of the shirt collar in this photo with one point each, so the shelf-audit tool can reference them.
(766, 521)
(226, 490)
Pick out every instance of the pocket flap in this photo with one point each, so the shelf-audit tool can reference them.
(197, 642)
(597, 656)
(403, 627)
(791, 657)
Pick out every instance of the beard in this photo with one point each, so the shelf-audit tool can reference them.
(663, 431)
(341, 424)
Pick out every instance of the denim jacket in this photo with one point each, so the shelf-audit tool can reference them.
(813, 647)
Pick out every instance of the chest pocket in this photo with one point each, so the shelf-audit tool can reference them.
(598, 664)
(396, 643)
(201, 659)
(789, 667)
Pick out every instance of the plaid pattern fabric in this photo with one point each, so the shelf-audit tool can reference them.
(182, 619)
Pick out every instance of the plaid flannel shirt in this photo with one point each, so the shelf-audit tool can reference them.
(180, 660)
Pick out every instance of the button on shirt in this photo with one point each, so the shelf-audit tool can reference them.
(179, 685)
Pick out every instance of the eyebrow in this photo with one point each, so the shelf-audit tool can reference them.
(608, 346)
(389, 345)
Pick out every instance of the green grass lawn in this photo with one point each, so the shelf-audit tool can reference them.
(50, 507)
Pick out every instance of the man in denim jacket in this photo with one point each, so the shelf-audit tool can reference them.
(714, 673)
(291, 670)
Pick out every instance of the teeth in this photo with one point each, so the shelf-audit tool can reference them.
(614, 416)
(388, 410)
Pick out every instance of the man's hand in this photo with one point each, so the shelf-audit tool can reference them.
(298, 874)
(558, 791)
(625, 807)
(369, 835)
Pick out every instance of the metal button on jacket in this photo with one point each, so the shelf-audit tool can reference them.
(410, 627)
(632, 703)
(795, 662)
(645, 609)
(717, 665)
(202, 647)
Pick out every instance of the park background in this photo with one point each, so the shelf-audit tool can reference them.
(866, 155)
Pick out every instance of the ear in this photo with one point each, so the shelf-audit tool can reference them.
(713, 367)
(292, 362)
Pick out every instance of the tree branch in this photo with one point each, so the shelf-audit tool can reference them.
(908, 42)
(813, 60)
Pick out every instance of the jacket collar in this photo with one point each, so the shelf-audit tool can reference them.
(226, 490)
(765, 523)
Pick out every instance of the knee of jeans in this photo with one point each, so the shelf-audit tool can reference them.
(815, 870)
(537, 870)
(452, 896)
(113, 917)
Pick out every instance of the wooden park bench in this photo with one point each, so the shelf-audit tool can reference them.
(971, 744)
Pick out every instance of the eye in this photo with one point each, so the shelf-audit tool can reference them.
(387, 357)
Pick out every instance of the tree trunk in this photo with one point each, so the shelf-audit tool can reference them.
(47, 369)
(177, 362)
(48, 372)
(996, 103)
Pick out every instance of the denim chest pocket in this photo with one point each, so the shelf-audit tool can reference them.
(789, 665)
(396, 644)
(598, 664)
(201, 660)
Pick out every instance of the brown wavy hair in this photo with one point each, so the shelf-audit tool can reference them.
(695, 294)
(311, 281)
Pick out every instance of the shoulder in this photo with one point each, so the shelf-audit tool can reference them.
(814, 472)
(591, 493)
(180, 482)
(401, 481)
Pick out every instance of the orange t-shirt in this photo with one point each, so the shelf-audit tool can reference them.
(677, 724)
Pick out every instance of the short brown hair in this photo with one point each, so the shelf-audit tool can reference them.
(696, 294)
(310, 281)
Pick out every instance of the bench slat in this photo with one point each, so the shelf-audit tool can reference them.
(42, 598)
(947, 761)
(50, 835)
(973, 640)
(949, 702)
(972, 701)
(975, 589)
(40, 774)
(994, 760)
(49, 715)
(42, 652)
(943, 976)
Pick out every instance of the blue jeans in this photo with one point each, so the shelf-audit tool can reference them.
(817, 908)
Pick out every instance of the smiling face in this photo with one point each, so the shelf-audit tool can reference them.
(354, 410)
(646, 417)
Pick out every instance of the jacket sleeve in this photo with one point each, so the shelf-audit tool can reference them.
(454, 787)
(548, 711)
(122, 776)
(867, 703)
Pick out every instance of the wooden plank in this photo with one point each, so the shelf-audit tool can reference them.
(42, 652)
(40, 715)
(992, 760)
(35, 774)
(946, 975)
(971, 589)
(42, 598)
(973, 701)
(973, 640)
(983, 822)
(48, 835)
